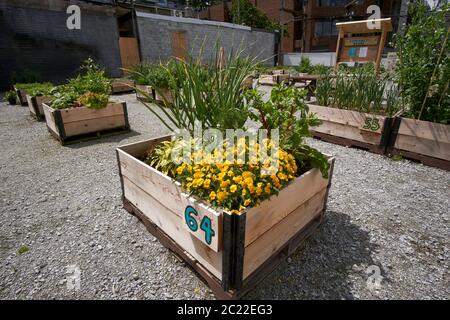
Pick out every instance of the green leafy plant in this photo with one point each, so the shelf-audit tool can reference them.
(10, 97)
(36, 89)
(92, 81)
(210, 95)
(305, 65)
(287, 111)
(424, 63)
(63, 97)
(93, 100)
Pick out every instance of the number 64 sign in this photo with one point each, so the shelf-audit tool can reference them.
(204, 225)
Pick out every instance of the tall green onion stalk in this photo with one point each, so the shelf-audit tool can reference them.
(358, 90)
(210, 94)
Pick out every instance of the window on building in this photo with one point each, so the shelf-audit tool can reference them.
(325, 29)
(331, 3)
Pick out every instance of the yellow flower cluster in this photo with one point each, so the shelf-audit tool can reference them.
(237, 185)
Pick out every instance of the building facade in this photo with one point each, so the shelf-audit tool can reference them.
(311, 24)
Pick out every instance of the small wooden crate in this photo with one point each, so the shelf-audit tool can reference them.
(35, 105)
(75, 124)
(352, 128)
(244, 247)
(423, 141)
(122, 86)
(273, 79)
(145, 88)
(21, 96)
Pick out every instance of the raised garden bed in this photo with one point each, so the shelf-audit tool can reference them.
(35, 105)
(423, 141)
(75, 124)
(241, 248)
(352, 128)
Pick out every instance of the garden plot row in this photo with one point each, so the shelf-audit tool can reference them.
(424, 141)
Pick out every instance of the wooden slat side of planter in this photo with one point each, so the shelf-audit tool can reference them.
(121, 86)
(161, 94)
(169, 193)
(21, 96)
(78, 121)
(280, 218)
(273, 210)
(35, 105)
(424, 138)
(50, 119)
(352, 125)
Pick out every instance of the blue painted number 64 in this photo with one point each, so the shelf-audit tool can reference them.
(205, 225)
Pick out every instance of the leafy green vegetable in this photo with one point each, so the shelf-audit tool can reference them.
(287, 111)
(93, 100)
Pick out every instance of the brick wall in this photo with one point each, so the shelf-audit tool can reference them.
(155, 33)
(34, 37)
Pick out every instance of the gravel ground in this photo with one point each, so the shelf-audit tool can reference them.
(64, 205)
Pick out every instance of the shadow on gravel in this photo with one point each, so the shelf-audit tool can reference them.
(108, 139)
(321, 268)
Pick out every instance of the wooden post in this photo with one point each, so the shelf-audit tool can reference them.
(380, 50)
(340, 35)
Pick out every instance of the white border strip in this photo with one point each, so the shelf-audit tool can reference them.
(191, 20)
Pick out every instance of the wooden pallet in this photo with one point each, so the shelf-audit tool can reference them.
(209, 279)
(348, 142)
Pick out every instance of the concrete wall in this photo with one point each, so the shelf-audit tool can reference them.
(34, 37)
(325, 58)
(155, 38)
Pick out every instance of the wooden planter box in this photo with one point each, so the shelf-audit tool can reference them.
(352, 128)
(122, 86)
(273, 79)
(147, 89)
(75, 124)
(35, 105)
(164, 93)
(21, 96)
(424, 141)
(243, 248)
